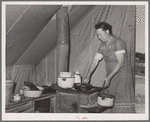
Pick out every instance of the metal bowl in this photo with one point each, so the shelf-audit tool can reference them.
(33, 93)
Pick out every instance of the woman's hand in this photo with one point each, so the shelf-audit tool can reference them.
(106, 82)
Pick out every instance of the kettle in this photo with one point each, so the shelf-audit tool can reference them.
(77, 76)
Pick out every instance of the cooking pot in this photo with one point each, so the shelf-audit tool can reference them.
(66, 82)
(106, 100)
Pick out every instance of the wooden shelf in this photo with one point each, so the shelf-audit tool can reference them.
(25, 105)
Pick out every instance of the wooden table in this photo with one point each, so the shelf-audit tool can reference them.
(26, 105)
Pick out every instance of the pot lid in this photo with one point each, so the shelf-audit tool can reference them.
(9, 81)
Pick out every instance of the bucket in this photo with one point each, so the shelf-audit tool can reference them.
(9, 90)
(106, 100)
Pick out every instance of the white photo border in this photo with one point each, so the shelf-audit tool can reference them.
(74, 116)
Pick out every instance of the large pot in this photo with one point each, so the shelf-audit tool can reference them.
(66, 82)
(106, 100)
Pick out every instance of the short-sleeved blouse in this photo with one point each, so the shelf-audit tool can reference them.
(109, 53)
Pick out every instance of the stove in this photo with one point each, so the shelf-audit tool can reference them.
(69, 100)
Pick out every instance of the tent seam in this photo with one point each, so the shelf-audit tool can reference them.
(17, 20)
(123, 21)
(33, 42)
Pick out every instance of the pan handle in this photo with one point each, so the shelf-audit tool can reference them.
(104, 85)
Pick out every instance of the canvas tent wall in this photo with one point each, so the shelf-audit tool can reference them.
(31, 40)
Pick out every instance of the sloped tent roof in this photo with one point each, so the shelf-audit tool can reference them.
(31, 31)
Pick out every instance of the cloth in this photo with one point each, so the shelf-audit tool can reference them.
(121, 85)
(21, 73)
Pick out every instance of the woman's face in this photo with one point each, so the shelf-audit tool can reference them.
(102, 35)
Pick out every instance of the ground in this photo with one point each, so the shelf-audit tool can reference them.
(140, 94)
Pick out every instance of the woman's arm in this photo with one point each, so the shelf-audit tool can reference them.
(120, 59)
(93, 66)
(91, 69)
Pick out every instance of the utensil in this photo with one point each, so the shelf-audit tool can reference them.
(30, 85)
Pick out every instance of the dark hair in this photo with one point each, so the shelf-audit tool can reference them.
(105, 26)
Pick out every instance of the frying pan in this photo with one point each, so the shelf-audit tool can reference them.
(83, 86)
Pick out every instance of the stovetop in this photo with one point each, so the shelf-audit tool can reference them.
(54, 87)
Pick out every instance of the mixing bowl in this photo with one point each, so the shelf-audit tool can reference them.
(33, 93)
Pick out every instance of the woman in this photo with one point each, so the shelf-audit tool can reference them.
(119, 73)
